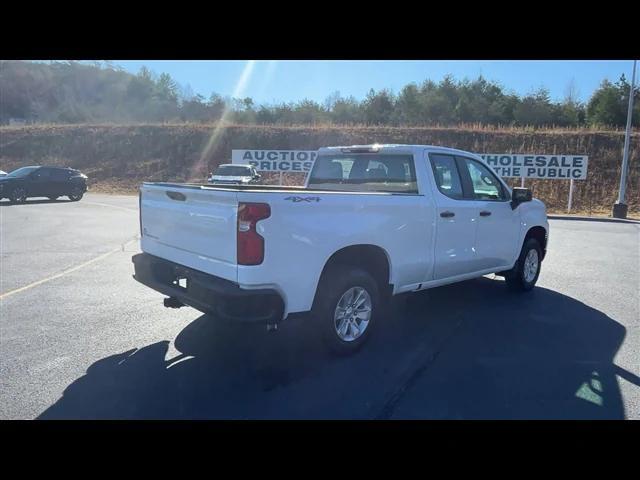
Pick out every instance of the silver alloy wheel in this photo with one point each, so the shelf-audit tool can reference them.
(531, 265)
(76, 194)
(352, 314)
(20, 195)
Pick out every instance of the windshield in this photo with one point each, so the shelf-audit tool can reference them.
(364, 173)
(233, 171)
(22, 172)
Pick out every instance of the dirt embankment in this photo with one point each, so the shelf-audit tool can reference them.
(117, 158)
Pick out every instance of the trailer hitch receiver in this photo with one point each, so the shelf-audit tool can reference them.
(173, 302)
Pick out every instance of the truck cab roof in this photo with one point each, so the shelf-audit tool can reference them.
(391, 148)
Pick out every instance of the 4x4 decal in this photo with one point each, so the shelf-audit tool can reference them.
(303, 199)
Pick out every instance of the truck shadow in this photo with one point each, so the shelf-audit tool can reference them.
(471, 350)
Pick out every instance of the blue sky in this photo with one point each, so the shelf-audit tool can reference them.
(292, 80)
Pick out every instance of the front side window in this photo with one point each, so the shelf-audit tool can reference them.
(43, 174)
(364, 173)
(486, 185)
(446, 174)
(59, 175)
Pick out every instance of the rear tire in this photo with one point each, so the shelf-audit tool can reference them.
(19, 195)
(526, 271)
(347, 307)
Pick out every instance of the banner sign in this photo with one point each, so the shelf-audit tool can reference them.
(276, 160)
(558, 167)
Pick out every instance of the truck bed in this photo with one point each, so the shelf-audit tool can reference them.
(195, 225)
(227, 187)
(265, 188)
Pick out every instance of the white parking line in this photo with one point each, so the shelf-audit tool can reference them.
(70, 270)
(109, 205)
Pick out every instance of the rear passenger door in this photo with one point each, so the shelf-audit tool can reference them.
(455, 220)
(498, 225)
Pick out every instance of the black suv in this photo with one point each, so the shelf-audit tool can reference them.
(51, 182)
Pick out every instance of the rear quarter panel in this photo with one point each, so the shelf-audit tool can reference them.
(306, 228)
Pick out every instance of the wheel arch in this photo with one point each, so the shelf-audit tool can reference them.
(540, 234)
(8, 190)
(371, 258)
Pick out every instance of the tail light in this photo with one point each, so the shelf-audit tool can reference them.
(250, 242)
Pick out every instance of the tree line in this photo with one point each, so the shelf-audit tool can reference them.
(73, 92)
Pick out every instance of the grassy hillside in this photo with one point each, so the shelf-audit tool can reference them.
(119, 157)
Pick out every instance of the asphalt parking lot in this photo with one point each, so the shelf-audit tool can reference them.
(79, 338)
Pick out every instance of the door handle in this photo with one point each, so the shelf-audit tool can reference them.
(484, 213)
(447, 214)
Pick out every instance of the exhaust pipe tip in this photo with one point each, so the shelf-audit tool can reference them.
(172, 302)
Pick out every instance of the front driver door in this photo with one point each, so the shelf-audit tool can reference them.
(40, 183)
(59, 183)
(498, 226)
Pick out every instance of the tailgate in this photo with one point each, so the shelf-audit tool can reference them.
(191, 226)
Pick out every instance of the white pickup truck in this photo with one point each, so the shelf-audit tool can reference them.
(234, 174)
(371, 221)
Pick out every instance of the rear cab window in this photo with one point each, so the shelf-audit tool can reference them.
(388, 173)
(447, 176)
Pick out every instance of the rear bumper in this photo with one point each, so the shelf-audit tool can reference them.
(208, 293)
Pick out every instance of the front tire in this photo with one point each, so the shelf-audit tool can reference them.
(526, 271)
(347, 308)
(76, 194)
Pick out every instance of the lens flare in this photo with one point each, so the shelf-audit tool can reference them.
(214, 138)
